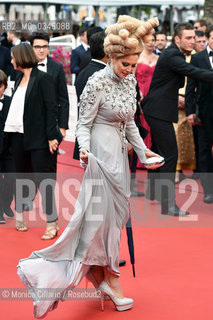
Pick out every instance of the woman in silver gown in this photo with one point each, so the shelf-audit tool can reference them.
(90, 244)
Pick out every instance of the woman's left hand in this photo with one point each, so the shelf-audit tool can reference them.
(53, 145)
(84, 156)
(149, 154)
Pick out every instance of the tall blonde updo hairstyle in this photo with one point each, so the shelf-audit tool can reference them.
(127, 35)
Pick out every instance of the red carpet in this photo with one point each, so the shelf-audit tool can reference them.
(174, 260)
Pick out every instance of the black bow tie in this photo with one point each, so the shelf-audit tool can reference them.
(211, 53)
(41, 64)
(2, 100)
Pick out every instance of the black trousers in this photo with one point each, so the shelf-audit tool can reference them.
(53, 163)
(6, 181)
(52, 168)
(162, 181)
(195, 136)
(205, 159)
(40, 175)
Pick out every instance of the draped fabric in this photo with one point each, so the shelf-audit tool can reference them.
(92, 237)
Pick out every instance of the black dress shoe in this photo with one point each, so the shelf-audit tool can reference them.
(175, 212)
(135, 193)
(9, 212)
(28, 206)
(208, 198)
(2, 219)
(122, 263)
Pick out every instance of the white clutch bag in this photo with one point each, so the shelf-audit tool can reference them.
(154, 162)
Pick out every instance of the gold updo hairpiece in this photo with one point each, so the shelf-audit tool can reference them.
(127, 35)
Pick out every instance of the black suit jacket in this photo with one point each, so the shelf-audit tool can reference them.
(56, 70)
(75, 59)
(162, 99)
(5, 59)
(3, 117)
(81, 81)
(40, 111)
(85, 59)
(201, 93)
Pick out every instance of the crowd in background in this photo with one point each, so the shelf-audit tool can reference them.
(193, 129)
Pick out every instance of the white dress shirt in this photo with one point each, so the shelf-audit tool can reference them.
(1, 103)
(14, 121)
(210, 57)
(43, 68)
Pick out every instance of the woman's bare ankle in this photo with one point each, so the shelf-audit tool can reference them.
(97, 273)
(114, 283)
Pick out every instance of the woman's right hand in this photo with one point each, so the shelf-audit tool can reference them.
(84, 156)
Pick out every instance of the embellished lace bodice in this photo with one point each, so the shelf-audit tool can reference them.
(109, 100)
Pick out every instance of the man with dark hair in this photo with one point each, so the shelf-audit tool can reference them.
(77, 53)
(86, 57)
(13, 37)
(201, 94)
(40, 44)
(200, 41)
(160, 108)
(200, 24)
(160, 42)
(98, 62)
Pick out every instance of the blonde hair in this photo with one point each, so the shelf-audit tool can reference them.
(127, 35)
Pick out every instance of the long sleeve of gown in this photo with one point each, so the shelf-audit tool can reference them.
(88, 109)
(133, 136)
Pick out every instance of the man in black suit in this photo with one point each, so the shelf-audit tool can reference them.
(77, 53)
(98, 62)
(86, 57)
(40, 44)
(160, 108)
(201, 94)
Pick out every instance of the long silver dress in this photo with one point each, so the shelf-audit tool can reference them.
(93, 235)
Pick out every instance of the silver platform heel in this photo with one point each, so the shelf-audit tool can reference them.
(121, 304)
